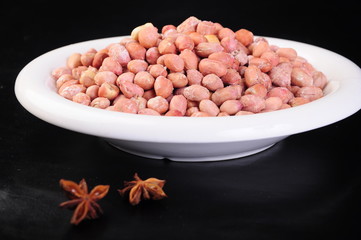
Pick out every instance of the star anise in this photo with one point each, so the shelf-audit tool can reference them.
(152, 188)
(85, 203)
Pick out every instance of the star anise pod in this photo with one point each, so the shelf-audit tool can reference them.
(85, 203)
(152, 188)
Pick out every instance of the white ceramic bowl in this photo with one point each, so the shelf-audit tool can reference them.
(191, 139)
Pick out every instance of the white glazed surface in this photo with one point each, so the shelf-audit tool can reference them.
(184, 138)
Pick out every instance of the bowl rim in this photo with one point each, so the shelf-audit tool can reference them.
(35, 90)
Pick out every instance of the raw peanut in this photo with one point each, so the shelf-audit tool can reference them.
(137, 65)
(310, 93)
(99, 58)
(126, 40)
(231, 107)
(252, 75)
(191, 110)
(126, 105)
(157, 70)
(297, 101)
(263, 64)
(110, 64)
(76, 72)
(125, 77)
(240, 56)
(57, 72)
(266, 81)
(229, 44)
(257, 89)
(173, 113)
(62, 79)
(173, 62)
(197, 38)
(92, 91)
(105, 76)
(167, 46)
(221, 95)
(207, 48)
(144, 80)
(192, 103)
(158, 104)
(87, 77)
(135, 32)
(252, 103)
(108, 90)
(148, 94)
(194, 77)
(319, 79)
(100, 102)
(148, 111)
(141, 102)
(152, 54)
(67, 84)
(283, 93)
(285, 106)
(288, 53)
(207, 66)
(232, 77)
(148, 36)
(209, 107)
(120, 54)
(70, 91)
(223, 114)
(212, 38)
(244, 36)
(130, 89)
(241, 113)
(259, 46)
(212, 82)
(163, 87)
(190, 59)
(273, 103)
(188, 25)
(179, 103)
(74, 60)
(196, 93)
(281, 74)
(167, 27)
(135, 50)
(87, 58)
(226, 32)
(226, 58)
(178, 79)
(218, 27)
(206, 27)
(200, 114)
(272, 57)
(301, 78)
(81, 98)
(160, 60)
(184, 41)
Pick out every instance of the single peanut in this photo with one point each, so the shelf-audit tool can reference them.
(135, 50)
(108, 90)
(179, 103)
(151, 55)
(105, 76)
(70, 91)
(163, 87)
(231, 107)
(273, 103)
(288, 53)
(205, 49)
(188, 25)
(206, 27)
(283, 93)
(300, 78)
(137, 65)
(209, 107)
(310, 93)
(232, 77)
(167, 46)
(110, 64)
(130, 89)
(144, 80)
(100, 102)
(257, 89)
(244, 36)
(74, 60)
(208, 66)
(184, 41)
(158, 104)
(190, 59)
(212, 82)
(252, 103)
(148, 36)
(281, 74)
(82, 98)
(57, 72)
(194, 77)
(92, 91)
(178, 79)
(157, 70)
(173, 62)
(228, 93)
(196, 93)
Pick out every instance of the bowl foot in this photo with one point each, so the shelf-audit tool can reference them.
(194, 159)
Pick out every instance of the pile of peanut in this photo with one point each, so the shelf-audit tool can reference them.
(197, 69)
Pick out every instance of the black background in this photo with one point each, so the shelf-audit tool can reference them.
(307, 186)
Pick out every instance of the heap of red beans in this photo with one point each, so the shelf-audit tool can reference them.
(197, 69)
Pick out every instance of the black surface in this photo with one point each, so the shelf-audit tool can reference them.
(307, 186)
